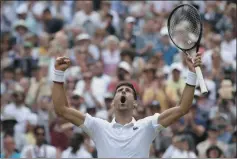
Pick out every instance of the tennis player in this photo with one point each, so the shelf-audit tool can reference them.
(124, 137)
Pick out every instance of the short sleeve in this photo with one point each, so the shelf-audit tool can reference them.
(93, 126)
(151, 125)
(157, 127)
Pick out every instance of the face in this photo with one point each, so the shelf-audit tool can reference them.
(40, 136)
(98, 70)
(123, 75)
(213, 134)
(87, 6)
(124, 99)
(214, 154)
(176, 75)
(83, 45)
(9, 143)
(21, 30)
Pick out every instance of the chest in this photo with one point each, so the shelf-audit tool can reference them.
(125, 139)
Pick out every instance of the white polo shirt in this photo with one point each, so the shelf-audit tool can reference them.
(132, 140)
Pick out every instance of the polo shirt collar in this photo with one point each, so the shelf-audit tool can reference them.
(115, 124)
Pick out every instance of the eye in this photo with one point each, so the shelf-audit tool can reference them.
(119, 90)
(128, 90)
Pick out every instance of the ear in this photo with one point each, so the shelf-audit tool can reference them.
(135, 104)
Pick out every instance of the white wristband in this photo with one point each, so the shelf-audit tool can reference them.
(58, 76)
(191, 78)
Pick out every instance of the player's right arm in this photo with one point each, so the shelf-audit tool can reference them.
(60, 102)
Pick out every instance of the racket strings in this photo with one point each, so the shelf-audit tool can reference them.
(185, 27)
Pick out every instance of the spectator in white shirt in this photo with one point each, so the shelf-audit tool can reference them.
(40, 149)
(18, 110)
(76, 148)
(111, 55)
(179, 149)
(86, 18)
(83, 42)
(228, 48)
(61, 10)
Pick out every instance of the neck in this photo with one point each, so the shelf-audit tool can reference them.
(39, 144)
(123, 117)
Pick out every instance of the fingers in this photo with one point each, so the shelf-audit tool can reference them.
(63, 60)
(198, 60)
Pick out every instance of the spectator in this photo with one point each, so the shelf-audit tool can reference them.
(7, 127)
(9, 148)
(30, 126)
(179, 148)
(87, 19)
(211, 140)
(176, 82)
(21, 30)
(26, 61)
(76, 148)
(167, 50)
(40, 149)
(18, 109)
(214, 152)
(123, 74)
(111, 55)
(128, 32)
(110, 42)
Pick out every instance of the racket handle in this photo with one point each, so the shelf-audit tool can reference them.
(201, 80)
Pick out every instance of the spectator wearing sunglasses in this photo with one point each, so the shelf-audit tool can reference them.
(40, 149)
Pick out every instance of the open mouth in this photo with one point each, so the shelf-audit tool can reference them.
(123, 99)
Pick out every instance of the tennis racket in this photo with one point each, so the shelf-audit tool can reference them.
(185, 31)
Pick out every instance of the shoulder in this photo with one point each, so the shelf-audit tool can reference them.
(51, 148)
(93, 126)
(66, 152)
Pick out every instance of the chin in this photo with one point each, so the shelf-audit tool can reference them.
(123, 107)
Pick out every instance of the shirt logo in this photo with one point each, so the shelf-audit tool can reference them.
(135, 128)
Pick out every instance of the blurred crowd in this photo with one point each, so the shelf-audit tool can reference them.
(108, 42)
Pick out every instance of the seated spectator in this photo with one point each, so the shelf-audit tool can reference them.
(179, 148)
(175, 83)
(111, 55)
(225, 104)
(30, 126)
(76, 148)
(214, 152)
(26, 62)
(211, 140)
(18, 109)
(40, 149)
(9, 148)
(86, 18)
(165, 48)
(123, 74)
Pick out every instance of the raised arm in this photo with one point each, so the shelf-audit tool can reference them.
(171, 115)
(60, 102)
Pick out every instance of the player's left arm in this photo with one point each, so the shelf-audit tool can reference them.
(171, 115)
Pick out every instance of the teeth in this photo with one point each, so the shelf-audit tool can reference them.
(123, 99)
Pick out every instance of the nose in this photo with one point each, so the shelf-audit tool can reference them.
(123, 92)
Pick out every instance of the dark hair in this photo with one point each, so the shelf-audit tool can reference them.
(8, 135)
(46, 10)
(126, 83)
(76, 141)
(214, 147)
(128, 52)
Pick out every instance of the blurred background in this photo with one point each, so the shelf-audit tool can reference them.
(108, 42)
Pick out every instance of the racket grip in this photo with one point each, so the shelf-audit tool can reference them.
(201, 80)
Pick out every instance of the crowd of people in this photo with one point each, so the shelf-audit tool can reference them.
(109, 42)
